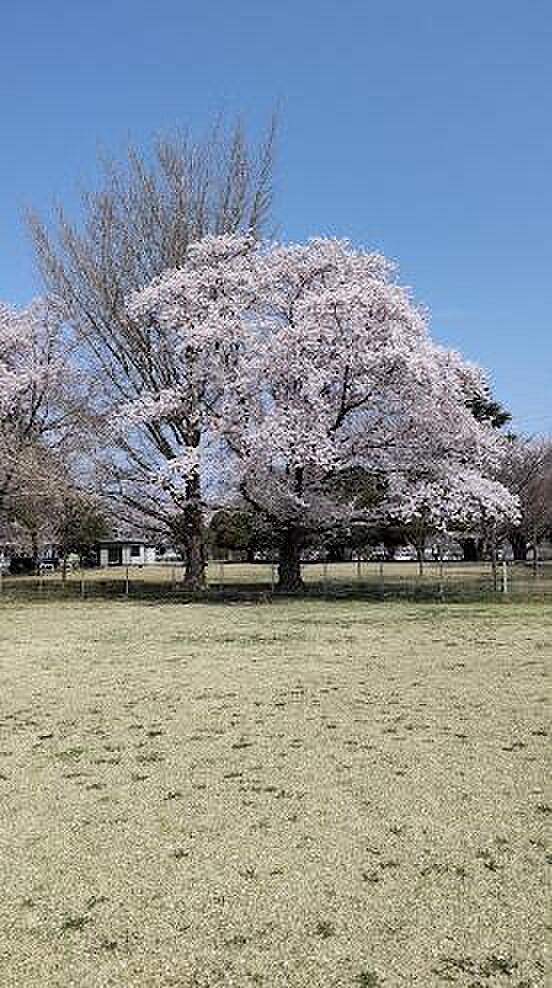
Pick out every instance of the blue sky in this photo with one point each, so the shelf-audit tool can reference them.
(422, 129)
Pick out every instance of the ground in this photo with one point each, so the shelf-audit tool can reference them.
(327, 794)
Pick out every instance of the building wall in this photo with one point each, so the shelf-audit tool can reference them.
(145, 556)
(130, 559)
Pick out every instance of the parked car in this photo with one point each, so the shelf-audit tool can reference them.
(405, 554)
(48, 564)
(168, 556)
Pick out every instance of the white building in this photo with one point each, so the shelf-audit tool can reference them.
(125, 552)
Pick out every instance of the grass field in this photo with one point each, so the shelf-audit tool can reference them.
(306, 793)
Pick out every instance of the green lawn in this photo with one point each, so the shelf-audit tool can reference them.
(327, 794)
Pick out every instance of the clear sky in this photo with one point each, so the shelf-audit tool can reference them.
(422, 128)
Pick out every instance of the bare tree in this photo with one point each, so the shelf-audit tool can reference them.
(138, 223)
(528, 473)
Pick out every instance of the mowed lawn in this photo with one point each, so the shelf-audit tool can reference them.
(310, 793)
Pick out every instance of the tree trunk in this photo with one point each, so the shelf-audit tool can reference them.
(35, 551)
(420, 540)
(190, 535)
(289, 563)
(194, 570)
(494, 558)
(519, 546)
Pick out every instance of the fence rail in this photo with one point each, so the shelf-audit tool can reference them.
(361, 579)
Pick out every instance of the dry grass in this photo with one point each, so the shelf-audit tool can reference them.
(300, 794)
(455, 581)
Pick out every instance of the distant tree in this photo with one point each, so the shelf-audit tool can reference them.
(528, 472)
(473, 546)
(489, 411)
(233, 530)
(30, 524)
(47, 433)
(485, 408)
(46, 423)
(80, 522)
(141, 222)
(33, 397)
(242, 531)
(49, 510)
(391, 537)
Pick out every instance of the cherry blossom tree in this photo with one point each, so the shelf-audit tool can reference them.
(31, 374)
(45, 431)
(435, 503)
(342, 374)
(297, 366)
(200, 313)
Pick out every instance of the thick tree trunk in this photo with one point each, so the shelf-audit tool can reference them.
(194, 570)
(190, 535)
(519, 545)
(289, 563)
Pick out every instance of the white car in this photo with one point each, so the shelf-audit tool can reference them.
(405, 554)
(46, 566)
(168, 557)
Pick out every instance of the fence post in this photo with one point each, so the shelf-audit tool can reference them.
(381, 578)
(126, 581)
(504, 576)
(359, 567)
(325, 577)
(82, 583)
(441, 577)
(272, 576)
(221, 575)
